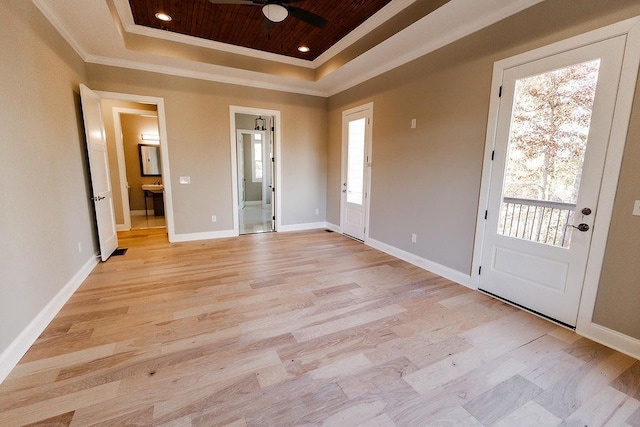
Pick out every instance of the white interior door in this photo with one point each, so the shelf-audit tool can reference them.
(357, 161)
(99, 167)
(553, 128)
(240, 167)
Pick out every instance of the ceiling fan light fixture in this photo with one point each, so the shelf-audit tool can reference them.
(163, 17)
(275, 12)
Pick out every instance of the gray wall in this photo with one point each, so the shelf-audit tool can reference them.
(427, 180)
(46, 214)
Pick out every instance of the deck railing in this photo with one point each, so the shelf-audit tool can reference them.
(537, 220)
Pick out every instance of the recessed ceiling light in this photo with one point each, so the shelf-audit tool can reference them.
(163, 17)
(304, 49)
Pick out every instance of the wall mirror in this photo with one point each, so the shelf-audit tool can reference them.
(150, 160)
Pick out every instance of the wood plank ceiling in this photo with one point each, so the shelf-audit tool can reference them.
(241, 25)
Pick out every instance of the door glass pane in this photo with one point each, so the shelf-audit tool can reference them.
(547, 141)
(355, 159)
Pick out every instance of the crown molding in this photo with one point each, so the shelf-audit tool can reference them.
(252, 79)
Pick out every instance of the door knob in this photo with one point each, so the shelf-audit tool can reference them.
(581, 227)
(586, 211)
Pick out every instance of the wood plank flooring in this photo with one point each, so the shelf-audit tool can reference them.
(312, 328)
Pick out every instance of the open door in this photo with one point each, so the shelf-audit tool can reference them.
(240, 166)
(99, 168)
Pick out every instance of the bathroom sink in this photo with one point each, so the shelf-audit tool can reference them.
(154, 188)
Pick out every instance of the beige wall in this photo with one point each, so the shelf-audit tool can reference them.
(46, 214)
(132, 127)
(427, 180)
(618, 302)
(197, 117)
(107, 115)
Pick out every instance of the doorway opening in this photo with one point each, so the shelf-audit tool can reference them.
(255, 166)
(138, 188)
(356, 171)
(254, 153)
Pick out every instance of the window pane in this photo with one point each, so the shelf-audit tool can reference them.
(547, 141)
(355, 166)
(257, 160)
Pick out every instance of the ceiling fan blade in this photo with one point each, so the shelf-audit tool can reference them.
(247, 2)
(306, 16)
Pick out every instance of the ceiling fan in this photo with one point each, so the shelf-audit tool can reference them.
(277, 10)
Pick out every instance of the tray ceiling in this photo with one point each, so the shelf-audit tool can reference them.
(242, 25)
(203, 44)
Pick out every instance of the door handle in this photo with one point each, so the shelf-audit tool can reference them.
(581, 227)
(98, 198)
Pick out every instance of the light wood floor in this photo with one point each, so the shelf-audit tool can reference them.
(312, 328)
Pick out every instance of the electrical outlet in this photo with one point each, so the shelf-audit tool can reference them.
(79, 247)
(214, 218)
(185, 180)
(414, 237)
(636, 208)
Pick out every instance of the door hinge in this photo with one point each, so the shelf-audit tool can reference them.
(493, 155)
(500, 92)
(273, 159)
(273, 128)
(273, 218)
(485, 214)
(479, 270)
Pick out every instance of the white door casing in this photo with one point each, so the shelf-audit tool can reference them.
(356, 171)
(99, 168)
(610, 156)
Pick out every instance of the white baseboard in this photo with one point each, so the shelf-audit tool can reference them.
(302, 227)
(616, 340)
(333, 227)
(19, 346)
(434, 267)
(252, 202)
(122, 227)
(207, 235)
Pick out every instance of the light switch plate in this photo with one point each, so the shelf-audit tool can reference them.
(636, 208)
(413, 123)
(185, 180)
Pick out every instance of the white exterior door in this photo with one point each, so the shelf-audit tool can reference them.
(99, 166)
(552, 133)
(356, 136)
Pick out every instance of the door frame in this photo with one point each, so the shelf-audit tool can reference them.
(617, 139)
(122, 165)
(164, 149)
(277, 124)
(368, 108)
